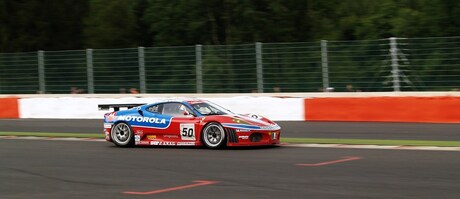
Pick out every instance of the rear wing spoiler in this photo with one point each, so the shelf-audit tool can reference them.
(116, 107)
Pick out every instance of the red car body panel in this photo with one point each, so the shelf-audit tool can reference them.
(241, 130)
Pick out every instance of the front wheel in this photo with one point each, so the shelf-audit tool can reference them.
(213, 135)
(122, 135)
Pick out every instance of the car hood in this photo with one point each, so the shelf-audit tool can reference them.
(246, 121)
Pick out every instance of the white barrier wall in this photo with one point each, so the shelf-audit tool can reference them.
(275, 108)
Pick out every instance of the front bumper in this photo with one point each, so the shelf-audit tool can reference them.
(237, 137)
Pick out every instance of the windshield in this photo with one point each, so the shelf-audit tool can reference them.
(206, 108)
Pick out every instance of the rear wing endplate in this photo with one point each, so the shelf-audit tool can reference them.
(116, 107)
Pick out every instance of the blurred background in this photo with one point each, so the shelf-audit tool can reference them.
(228, 46)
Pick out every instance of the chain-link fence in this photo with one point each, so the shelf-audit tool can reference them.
(393, 64)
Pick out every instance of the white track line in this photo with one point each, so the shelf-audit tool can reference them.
(342, 146)
(346, 146)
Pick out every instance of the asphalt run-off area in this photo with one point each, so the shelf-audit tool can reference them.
(31, 168)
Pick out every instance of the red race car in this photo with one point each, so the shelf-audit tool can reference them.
(186, 123)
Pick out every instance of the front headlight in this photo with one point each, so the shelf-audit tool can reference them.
(238, 121)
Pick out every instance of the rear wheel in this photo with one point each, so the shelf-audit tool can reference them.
(122, 135)
(213, 135)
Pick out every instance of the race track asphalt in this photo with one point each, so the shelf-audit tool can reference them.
(55, 169)
(291, 129)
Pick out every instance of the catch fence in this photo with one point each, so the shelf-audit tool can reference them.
(392, 64)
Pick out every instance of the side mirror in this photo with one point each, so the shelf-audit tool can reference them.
(140, 112)
(186, 113)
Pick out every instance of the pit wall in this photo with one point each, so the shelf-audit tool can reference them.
(433, 107)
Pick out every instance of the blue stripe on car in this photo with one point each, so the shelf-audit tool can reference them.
(241, 126)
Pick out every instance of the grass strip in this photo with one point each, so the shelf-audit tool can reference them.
(286, 140)
(372, 142)
(59, 135)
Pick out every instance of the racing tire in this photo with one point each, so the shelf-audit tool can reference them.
(213, 136)
(122, 135)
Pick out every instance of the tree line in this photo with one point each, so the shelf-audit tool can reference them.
(30, 25)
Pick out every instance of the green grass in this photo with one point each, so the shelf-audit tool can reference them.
(60, 135)
(285, 140)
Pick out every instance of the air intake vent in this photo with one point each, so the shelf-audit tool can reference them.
(232, 135)
(255, 137)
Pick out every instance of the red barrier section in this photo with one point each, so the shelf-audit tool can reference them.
(9, 108)
(384, 109)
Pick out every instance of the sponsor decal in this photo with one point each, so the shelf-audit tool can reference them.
(143, 142)
(107, 135)
(107, 125)
(139, 132)
(153, 122)
(185, 143)
(151, 137)
(242, 130)
(244, 137)
(170, 136)
(163, 143)
(271, 127)
(137, 138)
(169, 143)
(111, 116)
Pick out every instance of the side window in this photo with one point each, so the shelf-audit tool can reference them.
(175, 109)
(154, 109)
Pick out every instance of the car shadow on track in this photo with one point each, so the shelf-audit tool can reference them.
(203, 147)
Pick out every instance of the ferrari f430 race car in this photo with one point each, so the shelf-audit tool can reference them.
(186, 123)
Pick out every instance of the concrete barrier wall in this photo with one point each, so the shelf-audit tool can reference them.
(439, 107)
(384, 109)
(9, 107)
(287, 109)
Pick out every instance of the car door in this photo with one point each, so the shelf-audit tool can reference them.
(156, 122)
(182, 125)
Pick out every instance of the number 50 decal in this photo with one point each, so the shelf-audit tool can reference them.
(187, 131)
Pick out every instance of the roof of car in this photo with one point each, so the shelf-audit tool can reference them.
(186, 100)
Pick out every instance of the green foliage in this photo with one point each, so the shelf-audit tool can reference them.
(225, 28)
(112, 24)
(75, 24)
(41, 25)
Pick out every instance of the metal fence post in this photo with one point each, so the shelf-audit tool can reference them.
(394, 64)
(41, 72)
(90, 70)
(141, 58)
(324, 65)
(199, 68)
(260, 69)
